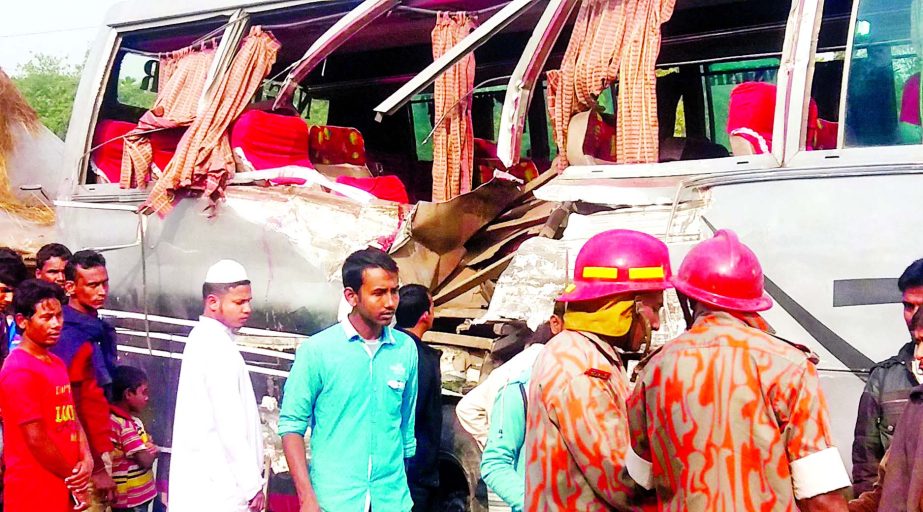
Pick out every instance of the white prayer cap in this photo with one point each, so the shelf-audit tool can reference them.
(226, 272)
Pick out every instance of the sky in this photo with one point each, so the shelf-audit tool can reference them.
(64, 28)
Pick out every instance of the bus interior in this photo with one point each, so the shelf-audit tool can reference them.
(710, 48)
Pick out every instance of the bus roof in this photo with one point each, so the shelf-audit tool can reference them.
(138, 11)
(131, 12)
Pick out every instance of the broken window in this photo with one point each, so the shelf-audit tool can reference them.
(131, 90)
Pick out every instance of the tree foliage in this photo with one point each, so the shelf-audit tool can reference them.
(49, 84)
(131, 94)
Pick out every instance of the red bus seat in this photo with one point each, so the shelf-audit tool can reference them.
(106, 160)
(164, 145)
(388, 188)
(332, 145)
(269, 141)
(485, 161)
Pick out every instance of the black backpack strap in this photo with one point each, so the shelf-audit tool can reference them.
(525, 399)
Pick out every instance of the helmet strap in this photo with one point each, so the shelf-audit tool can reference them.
(641, 322)
(686, 305)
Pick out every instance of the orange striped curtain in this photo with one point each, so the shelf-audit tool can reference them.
(203, 163)
(182, 78)
(453, 139)
(612, 40)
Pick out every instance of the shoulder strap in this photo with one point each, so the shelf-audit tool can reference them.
(807, 352)
(525, 398)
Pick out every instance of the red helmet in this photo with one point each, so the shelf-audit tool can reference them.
(724, 273)
(619, 261)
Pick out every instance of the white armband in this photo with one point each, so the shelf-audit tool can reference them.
(639, 469)
(819, 473)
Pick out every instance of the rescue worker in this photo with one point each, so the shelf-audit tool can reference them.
(576, 424)
(726, 416)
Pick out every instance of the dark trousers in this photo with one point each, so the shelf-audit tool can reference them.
(424, 498)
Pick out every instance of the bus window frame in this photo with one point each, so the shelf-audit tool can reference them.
(735, 163)
(480, 35)
(526, 74)
(842, 156)
(231, 37)
(332, 39)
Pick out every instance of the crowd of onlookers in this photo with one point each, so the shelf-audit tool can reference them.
(725, 417)
(72, 438)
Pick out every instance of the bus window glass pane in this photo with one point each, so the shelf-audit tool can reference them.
(137, 85)
(421, 109)
(883, 92)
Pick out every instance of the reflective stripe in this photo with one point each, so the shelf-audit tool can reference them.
(600, 273)
(645, 273)
(819, 473)
(639, 469)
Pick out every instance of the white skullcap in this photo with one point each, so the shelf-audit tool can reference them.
(226, 272)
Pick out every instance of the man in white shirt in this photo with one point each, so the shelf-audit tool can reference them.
(475, 408)
(217, 461)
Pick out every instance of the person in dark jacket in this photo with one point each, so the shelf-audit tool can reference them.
(414, 316)
(87, 346)
(887, 391)
(900, 485)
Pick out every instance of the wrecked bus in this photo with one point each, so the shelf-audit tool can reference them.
(795, 123)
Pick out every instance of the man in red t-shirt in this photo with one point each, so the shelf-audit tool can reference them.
(47, 456)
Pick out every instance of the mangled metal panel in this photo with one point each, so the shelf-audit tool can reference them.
(434, 244)
(535, 277)
(607, 191)
(323, 228)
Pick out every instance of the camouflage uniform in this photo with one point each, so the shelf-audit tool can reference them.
(729, 418)
(576, 428)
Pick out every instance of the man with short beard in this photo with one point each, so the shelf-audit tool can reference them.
(217, 461)
(576, 420)
(355, 385)
(887, 390)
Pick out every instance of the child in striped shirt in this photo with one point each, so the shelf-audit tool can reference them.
(134, 453)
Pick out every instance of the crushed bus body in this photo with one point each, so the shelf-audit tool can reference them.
(794, 123)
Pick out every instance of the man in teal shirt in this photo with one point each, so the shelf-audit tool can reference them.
(355, 385)
(503, 464)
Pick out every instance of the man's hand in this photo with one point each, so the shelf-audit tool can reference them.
(80, 478)
(104, 485)
(258, 503)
